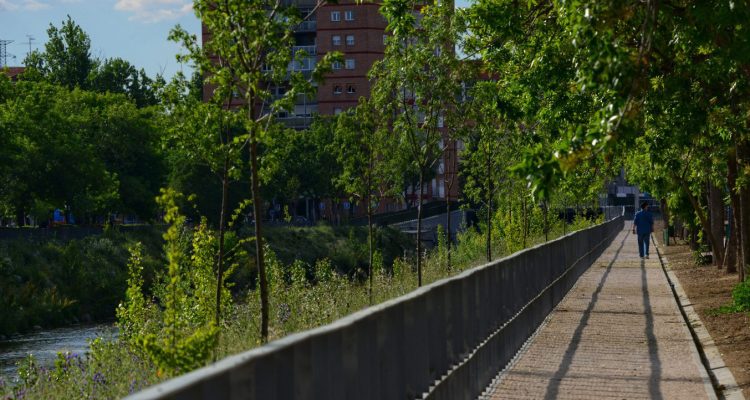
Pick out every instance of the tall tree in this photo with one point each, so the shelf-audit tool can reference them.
(414, 85)
(66, 59)
(361, 150)
(247, 52)
(203, 133)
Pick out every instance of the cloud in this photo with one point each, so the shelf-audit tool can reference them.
(26, 5)
(34, 5)
(154, 10)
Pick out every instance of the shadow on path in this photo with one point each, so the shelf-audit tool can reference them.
(653, 347)
(562, 370)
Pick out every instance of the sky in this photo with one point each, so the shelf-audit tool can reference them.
(134, 30)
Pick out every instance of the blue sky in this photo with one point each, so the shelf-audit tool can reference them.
(135, 30)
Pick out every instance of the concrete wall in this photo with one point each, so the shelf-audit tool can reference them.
(446, 340)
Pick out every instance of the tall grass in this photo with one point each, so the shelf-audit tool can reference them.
(303, 295)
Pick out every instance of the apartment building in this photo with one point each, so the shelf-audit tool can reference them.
(358, 32)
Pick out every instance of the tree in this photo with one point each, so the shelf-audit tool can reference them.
(297, 164)
(247, 53)
(360, 149)
(202, 133)
(55, 162)
(414, 85)
(116, 75)
(486, 139)
(66, 59)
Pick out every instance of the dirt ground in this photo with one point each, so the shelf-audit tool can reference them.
(710, 288)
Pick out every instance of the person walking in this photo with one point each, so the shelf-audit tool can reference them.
(643, 225)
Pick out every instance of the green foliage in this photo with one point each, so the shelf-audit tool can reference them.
(178, 332)
(299, 163)
(92, 152)
(66, 59)
(56, 282)
(741, 297)
(740, 300)
(305, 295)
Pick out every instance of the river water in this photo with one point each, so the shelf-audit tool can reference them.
(44, 345)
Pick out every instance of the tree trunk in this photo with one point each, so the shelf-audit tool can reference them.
(222, 229)
(449, 182)
(664, 214)
(732, 250)
(546, 222)
(20, 215)
(419, 228)
(704, 220)
(523, 220)
(448, 242)
(369, 240)
(489, 208)
(744, 197)
(716, 210)
(258, 213)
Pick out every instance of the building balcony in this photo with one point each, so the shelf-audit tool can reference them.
(296, 121)
(310, 50)
(307, 26)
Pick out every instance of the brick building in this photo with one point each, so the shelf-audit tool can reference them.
(358, 32)
(12, 72)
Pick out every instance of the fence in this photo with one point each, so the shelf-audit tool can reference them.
(446, 340)
(64, 233)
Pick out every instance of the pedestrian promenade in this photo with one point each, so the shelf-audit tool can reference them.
(618, 334)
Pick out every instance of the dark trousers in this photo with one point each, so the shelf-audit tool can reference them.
(643, 241)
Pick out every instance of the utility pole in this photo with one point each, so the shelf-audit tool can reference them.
(4, 52)
(29, 40)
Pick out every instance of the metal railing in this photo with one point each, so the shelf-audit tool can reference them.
(306, 26)
(310, 50)
(446, 340)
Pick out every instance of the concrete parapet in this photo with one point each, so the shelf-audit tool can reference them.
(446, 340)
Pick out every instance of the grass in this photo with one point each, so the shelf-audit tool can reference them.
(112, 370)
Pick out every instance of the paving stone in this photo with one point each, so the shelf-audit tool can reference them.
(618, 334)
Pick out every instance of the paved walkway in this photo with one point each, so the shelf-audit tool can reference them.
(618, 335)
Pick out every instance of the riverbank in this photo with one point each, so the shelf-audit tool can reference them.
(58, 282)
(113, 369)
(53, 282)
(44, 346)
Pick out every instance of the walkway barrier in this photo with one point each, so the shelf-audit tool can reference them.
(446, 340)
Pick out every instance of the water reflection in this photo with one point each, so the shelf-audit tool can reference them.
(44, 345)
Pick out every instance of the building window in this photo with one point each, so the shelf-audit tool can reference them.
(336, 40)
(349, 15)
(337, 89)
(336, 65)
(337, 111)
(349, 63)
(351, 89)
(335, 16)
(350, 40)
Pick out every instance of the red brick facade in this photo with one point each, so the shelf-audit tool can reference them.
(357, 32)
